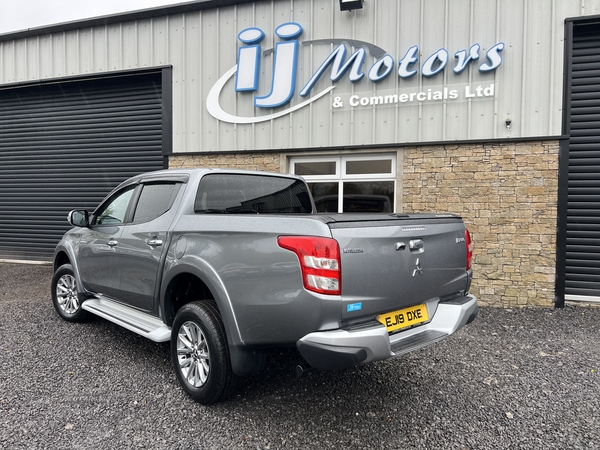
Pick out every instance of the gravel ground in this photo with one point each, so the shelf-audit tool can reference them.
(525, 379)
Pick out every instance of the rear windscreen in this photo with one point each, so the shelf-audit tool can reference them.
(251, 194)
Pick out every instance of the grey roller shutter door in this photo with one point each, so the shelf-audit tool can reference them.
(64, 146)
(582, 272)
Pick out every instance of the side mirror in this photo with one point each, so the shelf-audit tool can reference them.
(79, 218)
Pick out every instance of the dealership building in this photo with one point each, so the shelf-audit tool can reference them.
(488, 109)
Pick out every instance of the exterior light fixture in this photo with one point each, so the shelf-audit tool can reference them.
(349, 5)
(508, 123)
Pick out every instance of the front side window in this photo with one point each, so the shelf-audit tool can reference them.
(224, 193)
(350, 183)
(113, 211)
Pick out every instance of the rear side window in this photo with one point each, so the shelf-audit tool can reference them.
(251, 194)
(155, 200)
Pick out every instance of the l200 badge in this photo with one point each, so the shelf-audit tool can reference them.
(353, 250)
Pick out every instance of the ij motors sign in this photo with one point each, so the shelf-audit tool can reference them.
(339, 64)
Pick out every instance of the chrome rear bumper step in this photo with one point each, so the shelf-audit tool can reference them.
(417, 341)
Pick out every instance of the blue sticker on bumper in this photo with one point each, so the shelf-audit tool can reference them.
(354, 307)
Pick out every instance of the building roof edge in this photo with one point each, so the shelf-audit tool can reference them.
(129, 16)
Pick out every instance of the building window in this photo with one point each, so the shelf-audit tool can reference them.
(349, 183)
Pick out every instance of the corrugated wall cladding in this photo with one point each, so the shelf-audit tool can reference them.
(66, 146)
(202, 46)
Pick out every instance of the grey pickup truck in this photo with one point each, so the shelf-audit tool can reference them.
(226, 263)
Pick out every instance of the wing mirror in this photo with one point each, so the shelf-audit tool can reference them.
(79, 218)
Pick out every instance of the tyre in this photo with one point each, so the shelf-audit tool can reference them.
(200, 353)
(64, 295)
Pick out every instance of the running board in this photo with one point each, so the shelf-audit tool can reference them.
(134, 320)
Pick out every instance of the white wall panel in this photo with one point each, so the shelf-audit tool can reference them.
(228, 45)
(202, 46)
(130, 45)
(86, 50)
(536, 89)
(160, 41)
(72, 56)
(460, 33)
(56, 59)
(300, 129)
(192, 68)
(21, 60)
(46, 58)
(115, 47)
(245, 18)
(32, 58)
(98, 46)
(176, 36)
(510, 94)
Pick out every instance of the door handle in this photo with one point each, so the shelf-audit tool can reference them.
(112, 243)
(416, 246)
(155, 242)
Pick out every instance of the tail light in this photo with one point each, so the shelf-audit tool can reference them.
(319, 261)
(469, 244)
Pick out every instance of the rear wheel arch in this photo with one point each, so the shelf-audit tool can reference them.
(194, 283)
(182, 289)
(186, 283)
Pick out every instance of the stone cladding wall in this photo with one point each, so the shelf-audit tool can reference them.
(269, 162)
(507, 195)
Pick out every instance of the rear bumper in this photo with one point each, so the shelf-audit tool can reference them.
(342, 348)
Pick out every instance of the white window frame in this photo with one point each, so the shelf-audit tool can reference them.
(310, 159)
(370, 176)
(341, 176)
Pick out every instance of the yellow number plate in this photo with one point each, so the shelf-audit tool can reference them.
(403, 318)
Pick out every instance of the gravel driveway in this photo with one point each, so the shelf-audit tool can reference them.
(512, 379)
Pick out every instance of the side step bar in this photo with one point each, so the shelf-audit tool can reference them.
(139, 322)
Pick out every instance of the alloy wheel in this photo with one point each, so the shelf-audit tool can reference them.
(192, 354)
(66, 294)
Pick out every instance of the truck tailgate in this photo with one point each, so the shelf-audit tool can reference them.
(392, 262)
